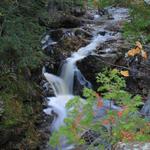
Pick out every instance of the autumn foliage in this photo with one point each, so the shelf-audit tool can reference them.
(137, 50)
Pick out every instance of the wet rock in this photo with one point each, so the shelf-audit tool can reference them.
(78, 12)
(89, 136)
(146, 108)
(56, 34)
(47, 90)
(133, 146)
(62, 21)
(91, 66)
(69, 22)
(113, 26)
(80, 83)
(82, 32)
(102, 33)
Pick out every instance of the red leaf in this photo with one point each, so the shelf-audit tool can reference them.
(120, 113)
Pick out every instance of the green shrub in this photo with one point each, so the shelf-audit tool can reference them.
(139, 26)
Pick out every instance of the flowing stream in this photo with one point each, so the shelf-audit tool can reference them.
(63, 84)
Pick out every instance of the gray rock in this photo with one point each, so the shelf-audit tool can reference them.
(146, 108)
(133, 146)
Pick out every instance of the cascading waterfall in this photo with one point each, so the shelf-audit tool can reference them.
(57, 84)
(69, 68)
(63, 85)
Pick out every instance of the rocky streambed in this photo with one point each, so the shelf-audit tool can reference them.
(69, 34)
(63, 42)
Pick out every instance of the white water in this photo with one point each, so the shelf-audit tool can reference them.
(58, 106)
(58, 84)
(69, 68)
(63, 85)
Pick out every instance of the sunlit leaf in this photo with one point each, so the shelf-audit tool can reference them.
(138, 50)
(125, 73)
(134, 52)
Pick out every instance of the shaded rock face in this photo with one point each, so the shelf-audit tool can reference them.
(13, 135)
(69, 22)
(63, 21)
(89, 70)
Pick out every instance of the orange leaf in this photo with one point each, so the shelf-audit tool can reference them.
(134, 52)
(125, 73)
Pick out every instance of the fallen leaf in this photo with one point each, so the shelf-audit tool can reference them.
(137, 50)
(125, 73)
(134, 52)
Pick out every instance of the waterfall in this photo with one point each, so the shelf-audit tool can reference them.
(63, 84)
(69, 67)
(58, 84)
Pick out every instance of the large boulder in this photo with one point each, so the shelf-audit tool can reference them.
(64, 21)
(92, 65)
